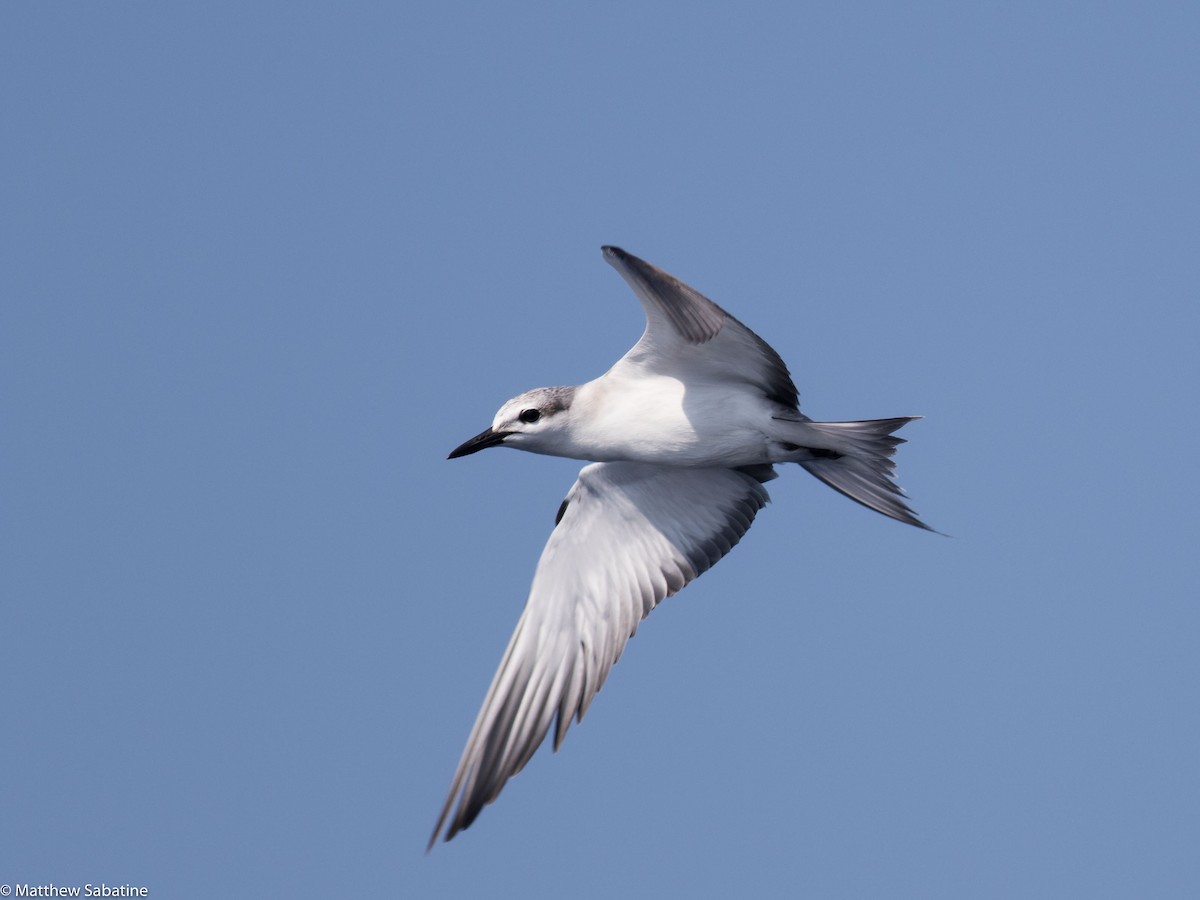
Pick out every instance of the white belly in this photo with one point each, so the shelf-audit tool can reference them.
(658, 420)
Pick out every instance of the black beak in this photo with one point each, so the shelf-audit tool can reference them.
(481, 441)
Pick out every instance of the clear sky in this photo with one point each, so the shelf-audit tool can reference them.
(262, 266)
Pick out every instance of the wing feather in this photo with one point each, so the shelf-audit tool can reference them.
(688, 334)
(630, 535)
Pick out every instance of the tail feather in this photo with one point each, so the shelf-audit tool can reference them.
(861, 464)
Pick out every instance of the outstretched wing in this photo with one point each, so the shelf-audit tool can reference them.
(689, 336)
(628, 535)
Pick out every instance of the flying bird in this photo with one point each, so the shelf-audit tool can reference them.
(681, 433)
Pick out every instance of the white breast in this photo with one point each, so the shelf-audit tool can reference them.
(658, 419)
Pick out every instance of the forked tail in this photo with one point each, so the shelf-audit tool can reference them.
(861, 466)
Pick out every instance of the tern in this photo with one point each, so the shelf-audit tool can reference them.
(681, 433)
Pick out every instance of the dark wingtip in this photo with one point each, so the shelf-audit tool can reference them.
(615, 256)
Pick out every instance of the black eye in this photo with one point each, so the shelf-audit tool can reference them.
(529, 416)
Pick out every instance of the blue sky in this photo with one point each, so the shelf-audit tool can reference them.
(263, 266)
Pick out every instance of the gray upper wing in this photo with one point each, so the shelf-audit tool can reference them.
(628, 535)
(685, 331)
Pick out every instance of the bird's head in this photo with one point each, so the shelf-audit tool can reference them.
(536, 421)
